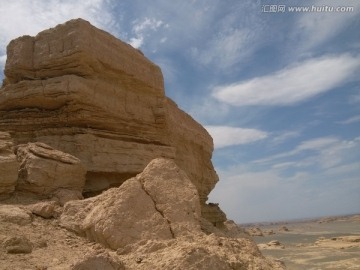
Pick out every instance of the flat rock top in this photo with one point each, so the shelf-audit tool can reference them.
(76, 47)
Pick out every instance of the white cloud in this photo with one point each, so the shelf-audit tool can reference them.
(227, 48)
(232, 36)
(315, 28)
(24, 17)
(226, 136)
(136, 42)
(279, 139)
(147, 24)
(293, 188)
(354, 99)
(142, 29)
(351, 120)
(315, 144)
(2, 62)
(292, 84)
(323, 152)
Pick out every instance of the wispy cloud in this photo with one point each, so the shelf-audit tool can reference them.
(279, 139)
(323, 152)
(292, 84)
(226, 49)
(231, 40)
(312, 29)
(350, 120)
(303, 189)
(20, 17)
(144, 28)
(226, 136)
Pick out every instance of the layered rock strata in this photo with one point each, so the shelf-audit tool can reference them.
(44, 170)
(84, 92)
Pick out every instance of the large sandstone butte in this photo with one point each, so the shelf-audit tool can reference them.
(83, 111)
(84, 92)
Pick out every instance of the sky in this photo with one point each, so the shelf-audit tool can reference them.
(277, 87)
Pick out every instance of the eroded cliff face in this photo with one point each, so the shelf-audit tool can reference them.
(84, 92)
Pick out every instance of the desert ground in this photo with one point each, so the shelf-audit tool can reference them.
(319, 244)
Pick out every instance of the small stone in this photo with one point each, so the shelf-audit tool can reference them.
(18, 244)
(49, 209)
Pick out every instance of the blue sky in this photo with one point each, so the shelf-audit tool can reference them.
(278, 91)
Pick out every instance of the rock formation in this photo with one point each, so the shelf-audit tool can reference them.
(143, 208)
(84, 92)
(82, 112)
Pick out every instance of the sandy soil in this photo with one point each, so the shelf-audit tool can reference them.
(331, 243)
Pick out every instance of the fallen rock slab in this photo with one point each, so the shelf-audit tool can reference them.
(116, 218)
(160, 203)
(44, 169)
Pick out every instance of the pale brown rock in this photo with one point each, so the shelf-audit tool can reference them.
(48, 209)
(82, 91)
(97, 262)
(214, 214)
(14, 214)
(255, 231)
(44, 169)
(160, 203)
(153, 221)
(63, 195)
(174, 196)
(206, 252)
(18, 244)
(273, 244)
(283, 229)
(9, 166)
(118, 217)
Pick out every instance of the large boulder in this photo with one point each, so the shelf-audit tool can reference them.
(160, 203)
(153, 222)
(9, 166)
(43, 169)
(174, 195)
(84, 92)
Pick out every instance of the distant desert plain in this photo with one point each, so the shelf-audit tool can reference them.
(317, 244)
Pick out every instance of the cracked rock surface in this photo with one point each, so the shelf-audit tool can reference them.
(153, 221)
(160, 203)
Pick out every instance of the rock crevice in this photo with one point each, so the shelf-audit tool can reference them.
(159, 211)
